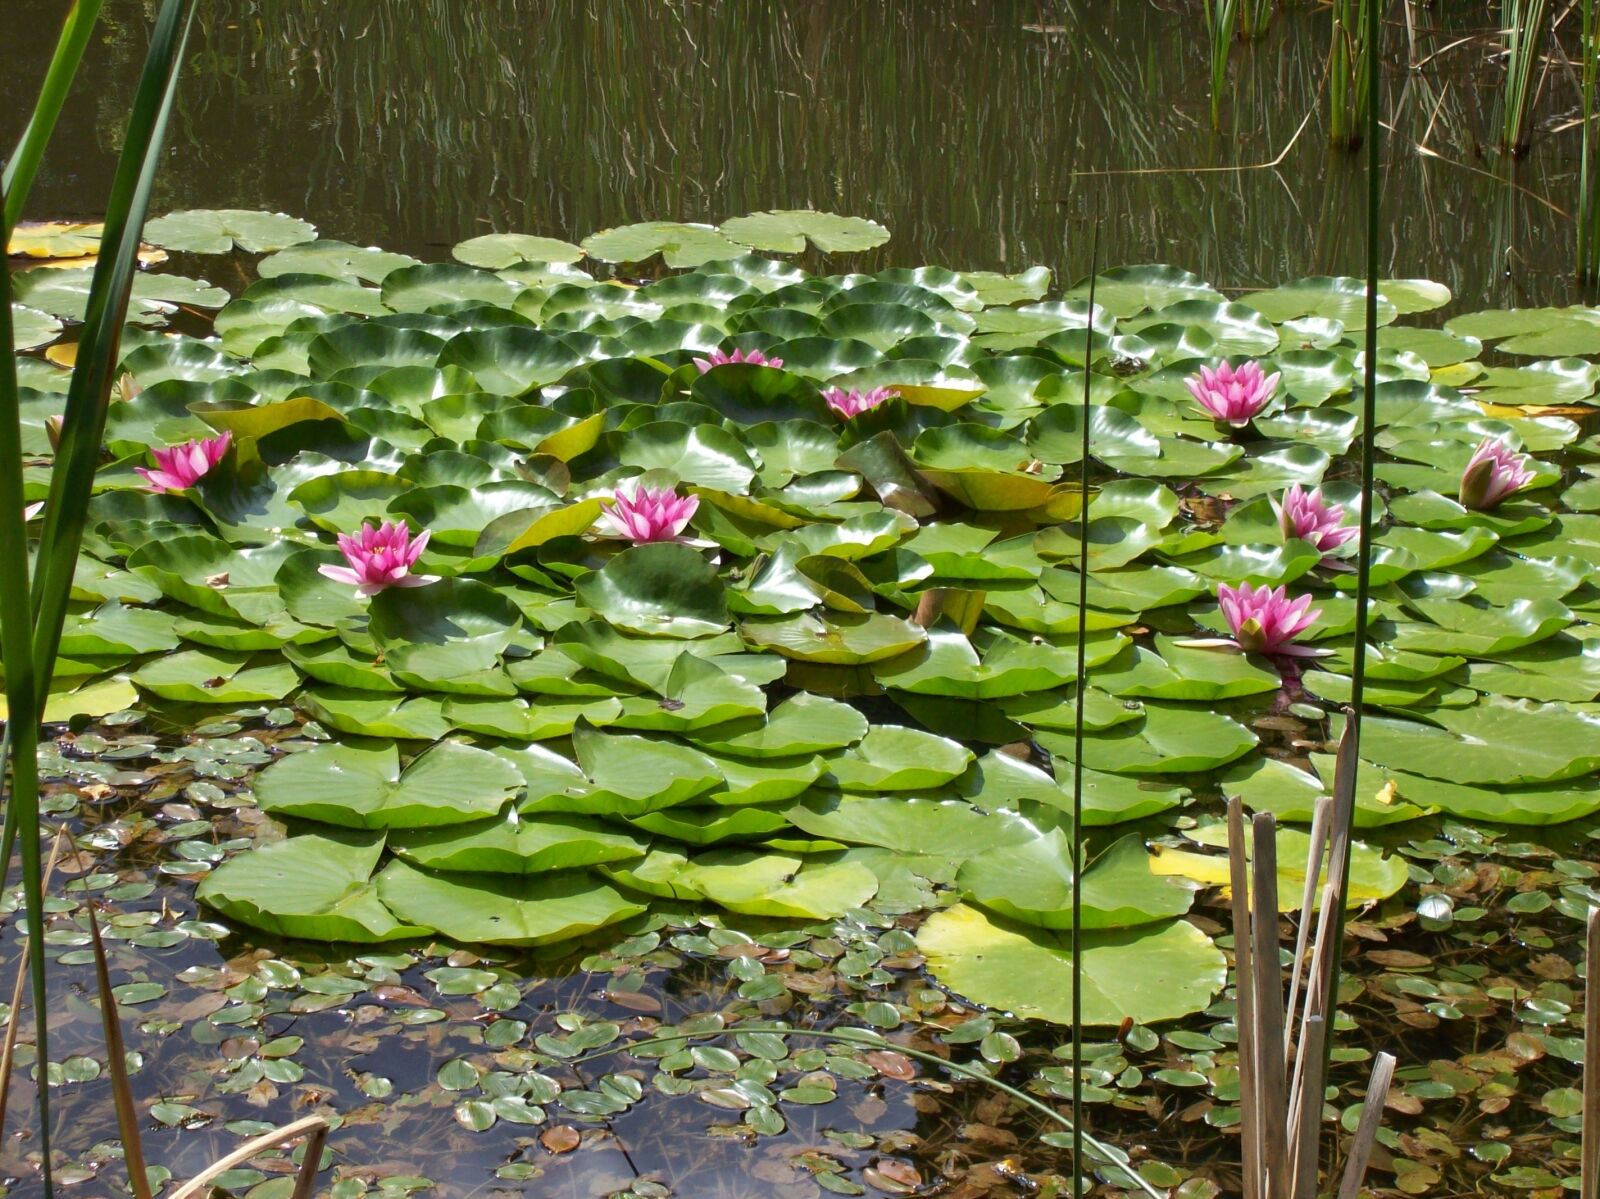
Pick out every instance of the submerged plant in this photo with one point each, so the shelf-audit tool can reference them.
(1233, 395)
(1494, 472)
(1265, 620)
(1308, 516)
(650, 514)
(180, 467)
(380, 558)
(724, 357)
(847, 404)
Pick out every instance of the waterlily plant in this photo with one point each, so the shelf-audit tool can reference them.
(1494, 472)
(380, 558)
(1233, 395)
(180, 467)
(649, 514)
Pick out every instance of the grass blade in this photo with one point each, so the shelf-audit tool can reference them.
(84, 422)
(23, 699)
(17, 179)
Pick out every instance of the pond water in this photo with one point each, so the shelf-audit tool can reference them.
(985, 135)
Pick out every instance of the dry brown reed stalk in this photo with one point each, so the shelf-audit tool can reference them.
(1283, 1046)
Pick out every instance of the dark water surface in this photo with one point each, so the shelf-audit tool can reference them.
(984, 133)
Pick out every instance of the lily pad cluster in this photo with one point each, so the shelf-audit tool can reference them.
(850, 679)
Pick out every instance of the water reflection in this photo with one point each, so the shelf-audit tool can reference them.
(985, 135)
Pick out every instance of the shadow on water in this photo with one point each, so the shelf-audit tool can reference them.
(984, 135)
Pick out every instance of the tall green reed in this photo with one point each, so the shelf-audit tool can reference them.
(1588, 200)
(1525, 23)
(33, 604)
(1222, 27)
(1352, 65)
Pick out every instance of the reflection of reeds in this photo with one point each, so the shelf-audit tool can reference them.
(1255, 18)
(1588, 204)
(1222, 26)
(1351, 62)
(1524, 23)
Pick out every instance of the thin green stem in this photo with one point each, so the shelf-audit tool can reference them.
(1369, 423)
(22, 704)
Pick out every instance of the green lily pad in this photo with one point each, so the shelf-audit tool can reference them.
(314, 885)
(216, 231)
(362, 786)
(660, 590)
(1147, 975)
(787, 231)
(504, 909)
(517, 844)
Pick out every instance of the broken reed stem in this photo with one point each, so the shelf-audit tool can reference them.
(1589, 1155)
(117, 1066)
(1306, 1115)
(1264, 949)
(1319, 836)
(8, 1053)
(1355, 1166)
(1244, 1000)
(315, 1130)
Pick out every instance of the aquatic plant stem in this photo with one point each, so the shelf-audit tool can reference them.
(14, 1017)
(1082, 676)
(869, 1040)
(1342, 829)
(1588, 209)
(24, 704)
(1589, 1152)
(83, 425)
(1244, 1002)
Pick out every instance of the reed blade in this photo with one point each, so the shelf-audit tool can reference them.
(98, 350)
(1589, 1154)
(1244, 992)
(1077, 730)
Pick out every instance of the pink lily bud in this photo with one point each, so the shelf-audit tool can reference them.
(1494, 472)
(180, 467)
(1306, 515)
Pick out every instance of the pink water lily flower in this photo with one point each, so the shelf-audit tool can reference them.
(1265, 620)
(30, 511)
(1308, 516)
(1232, 394)
(846, 404)
(380, 558)
(649, 514)
(723, 357)
(1494, 472)
(180, 467)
